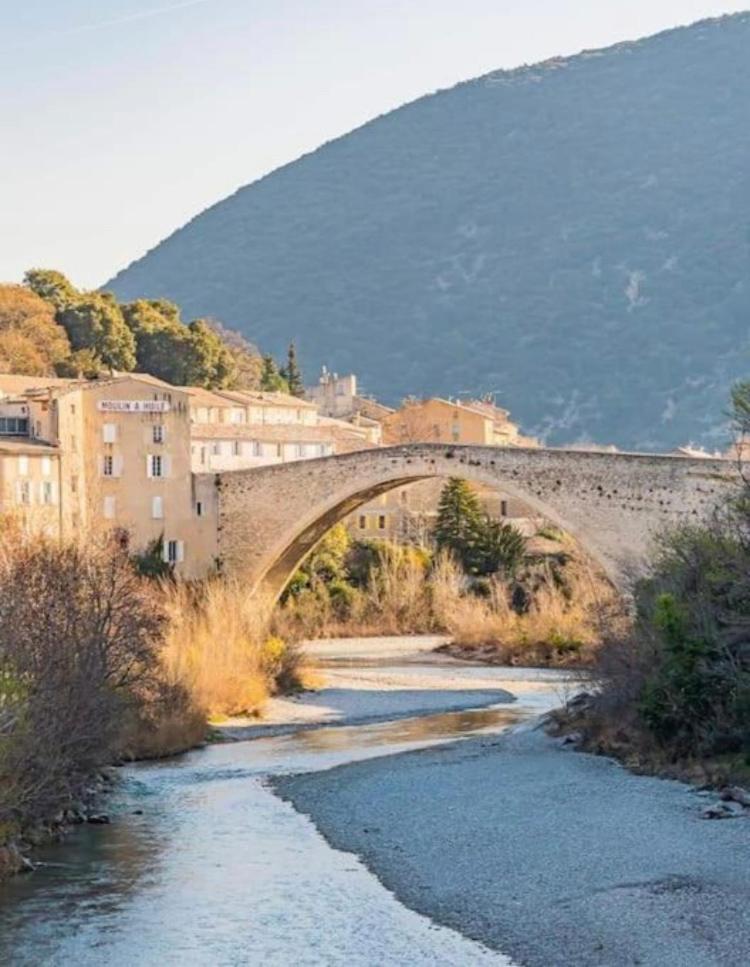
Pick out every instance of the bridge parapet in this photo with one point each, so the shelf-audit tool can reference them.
(270, 518)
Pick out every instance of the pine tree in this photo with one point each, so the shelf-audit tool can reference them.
(292, 373)
(271, 380)
(458, 521)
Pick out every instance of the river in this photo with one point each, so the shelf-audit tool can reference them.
(204, 864)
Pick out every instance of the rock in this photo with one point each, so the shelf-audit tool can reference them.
(723, 810)
(571, 739)
(735, 794)
(98, 819)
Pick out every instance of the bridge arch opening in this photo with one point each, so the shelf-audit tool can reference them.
(289, 558)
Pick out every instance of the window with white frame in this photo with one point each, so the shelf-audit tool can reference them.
(110, 506)
(109, 432)
(174, 552)
(216, 449)
(257, 448)
(24, 492)
(155, 465)
(108, 465)
(47, 492)
(157, 508)
(236, 448)
(157, 433)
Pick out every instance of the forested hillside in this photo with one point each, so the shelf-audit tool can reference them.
(573, 236)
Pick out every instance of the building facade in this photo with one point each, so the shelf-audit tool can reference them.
(120, 449)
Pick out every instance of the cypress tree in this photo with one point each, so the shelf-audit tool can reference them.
(292, 373)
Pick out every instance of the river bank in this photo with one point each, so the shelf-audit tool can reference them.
(554, 857)
(203, 863)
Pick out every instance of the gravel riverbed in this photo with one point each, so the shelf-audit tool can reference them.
(555, 857)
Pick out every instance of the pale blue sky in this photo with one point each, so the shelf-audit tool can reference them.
(123, 118)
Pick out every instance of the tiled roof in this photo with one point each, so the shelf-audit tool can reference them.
(258, 398)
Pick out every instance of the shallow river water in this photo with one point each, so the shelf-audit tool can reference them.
(203, 864)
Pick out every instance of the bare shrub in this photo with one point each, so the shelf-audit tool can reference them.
(79, 633)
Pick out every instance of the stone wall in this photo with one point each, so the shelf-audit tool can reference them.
(613, 503)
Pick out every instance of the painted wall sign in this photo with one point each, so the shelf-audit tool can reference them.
(133, 406)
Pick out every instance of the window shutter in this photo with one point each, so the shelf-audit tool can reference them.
(180, 551)
(166, 465)
(117, 467)
(165, 550)
(149, 473)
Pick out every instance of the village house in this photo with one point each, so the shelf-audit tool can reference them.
(108, 453)
(237, 430)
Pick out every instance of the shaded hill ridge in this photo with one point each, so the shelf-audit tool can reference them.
(573, 235)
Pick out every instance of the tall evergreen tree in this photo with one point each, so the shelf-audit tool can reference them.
(292, 373)
(459, 521)
(271, 380)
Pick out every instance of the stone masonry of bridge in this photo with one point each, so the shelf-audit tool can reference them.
(270, 518)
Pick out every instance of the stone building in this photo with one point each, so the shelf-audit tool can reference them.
(477, 422)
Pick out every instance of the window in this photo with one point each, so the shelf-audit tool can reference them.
(299, 450)
(257, 449)
(279, 450)
(47, 492)
(157, 508)
(199, 508)
(38, 431)
(23, 466)
(46, 466)
(236, 448)
(108, 465)
(24, 492)
(174, 552)
(381, 522)
(109, 507)
(216, 449)
(362, 522)
(109, 432)
(203, 456)
(321, 449)
(157, 433)
(73, 443)
(155, 465)
(503, 508)
(74, 484)
(13, 426)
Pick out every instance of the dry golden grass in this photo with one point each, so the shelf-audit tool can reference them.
(562, 624)
(219, 647)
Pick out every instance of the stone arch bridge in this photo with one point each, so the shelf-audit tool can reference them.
(270, 518)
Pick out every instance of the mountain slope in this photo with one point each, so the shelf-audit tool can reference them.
(572, 235)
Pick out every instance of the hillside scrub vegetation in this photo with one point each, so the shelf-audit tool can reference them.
(675, 690)
(98, 664)
(603, 196)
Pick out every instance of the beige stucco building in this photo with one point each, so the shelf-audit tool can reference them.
(478, 422)
(119, 456)
(239, 430)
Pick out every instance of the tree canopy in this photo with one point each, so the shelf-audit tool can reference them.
(31, 341)
(481, 544)
(50, 326)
